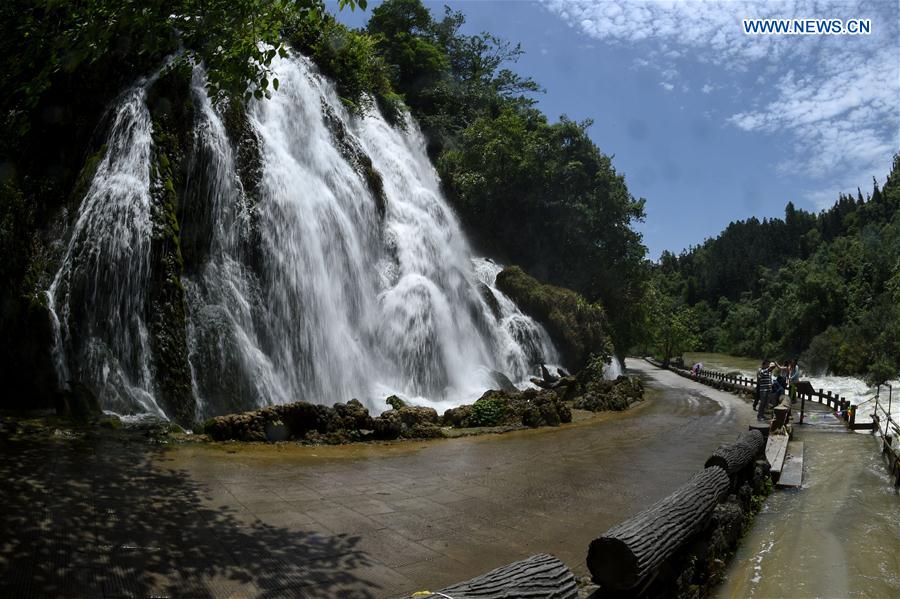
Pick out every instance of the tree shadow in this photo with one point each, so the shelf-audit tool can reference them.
(93, 517)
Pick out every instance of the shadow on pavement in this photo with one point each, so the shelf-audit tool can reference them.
(93, 517)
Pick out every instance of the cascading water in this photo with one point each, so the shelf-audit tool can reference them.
(98, 296)
(344, 301)
(315, 287)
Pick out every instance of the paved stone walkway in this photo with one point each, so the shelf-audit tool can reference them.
(103, 518)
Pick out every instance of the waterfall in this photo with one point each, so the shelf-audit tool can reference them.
(318, 285)
(98, 296)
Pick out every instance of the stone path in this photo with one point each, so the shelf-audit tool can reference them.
(104, 518)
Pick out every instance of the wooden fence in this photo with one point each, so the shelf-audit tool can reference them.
(882, 422)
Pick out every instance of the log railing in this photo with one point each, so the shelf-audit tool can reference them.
(882, 422)
(627, 557)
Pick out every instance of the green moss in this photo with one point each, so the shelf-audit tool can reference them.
(87, 174)
(489, 410)
(577, 326)
(171, 109)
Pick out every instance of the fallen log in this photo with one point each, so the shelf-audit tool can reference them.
(732, 457)
(630, 553)
(537, 576)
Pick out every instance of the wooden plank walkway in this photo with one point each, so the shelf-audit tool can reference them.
(776, 451)
(792, 470)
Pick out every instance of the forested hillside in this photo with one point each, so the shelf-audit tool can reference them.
(825, 286)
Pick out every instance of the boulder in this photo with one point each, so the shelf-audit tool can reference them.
(545, 374)
(395, 402)
(410, 422)
(353, 415)
(458, 417)
(388, 425)
(299, 417)
(276, 431)
(414, 415)
(502, 381)
(577, 326)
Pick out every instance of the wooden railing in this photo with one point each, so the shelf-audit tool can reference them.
(888, 429)
(842, 406)
(882, 421)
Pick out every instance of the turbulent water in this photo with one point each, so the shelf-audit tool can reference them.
(98, 296)
(855, 389)
(306, 290)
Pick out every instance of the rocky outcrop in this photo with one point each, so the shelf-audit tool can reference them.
(531, 407)
(510, 408)
(617, 395)
(172, 111)
(356, 157)
(577, 327)
(340, 423)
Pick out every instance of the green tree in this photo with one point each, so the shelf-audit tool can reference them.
(673, 326)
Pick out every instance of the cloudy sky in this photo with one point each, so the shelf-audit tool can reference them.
(708, 124)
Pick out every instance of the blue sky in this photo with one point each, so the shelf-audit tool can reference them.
(706, 123)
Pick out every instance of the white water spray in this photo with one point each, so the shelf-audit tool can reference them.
(98, 297)
(306, 291)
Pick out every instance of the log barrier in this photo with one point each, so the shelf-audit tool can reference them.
(629, 553)
(537, 576)
(733, 457)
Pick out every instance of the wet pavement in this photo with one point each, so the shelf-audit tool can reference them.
(836, 536)
(101, 517)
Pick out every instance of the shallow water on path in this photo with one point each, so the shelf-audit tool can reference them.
(837, 536)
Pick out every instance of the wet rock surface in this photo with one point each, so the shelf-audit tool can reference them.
(507, 408)
(616, 395)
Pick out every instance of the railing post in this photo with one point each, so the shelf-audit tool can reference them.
(802, 406)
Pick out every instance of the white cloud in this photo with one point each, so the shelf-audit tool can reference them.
(666, 86)
(834, 97)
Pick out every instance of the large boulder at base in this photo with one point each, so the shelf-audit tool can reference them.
(353, 415)
(299, 420)
(544, 408)
(410, 422)
(577, 326)
(458, 417)
(395, 402)
(595, 393)
(531, 407)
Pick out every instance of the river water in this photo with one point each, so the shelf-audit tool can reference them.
(839, 534)
(852, 388)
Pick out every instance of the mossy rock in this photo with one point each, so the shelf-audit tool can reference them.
(491, 409)
(109, 422)
(577, 327)
(395, 402)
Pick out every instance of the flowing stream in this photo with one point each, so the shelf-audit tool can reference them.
(313, 288)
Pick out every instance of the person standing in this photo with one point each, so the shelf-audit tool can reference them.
(763, 388)
(793, 378)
